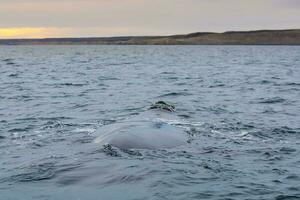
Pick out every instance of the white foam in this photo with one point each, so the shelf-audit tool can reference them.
(87, 130)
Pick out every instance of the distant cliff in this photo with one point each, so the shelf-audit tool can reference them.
(260, 37)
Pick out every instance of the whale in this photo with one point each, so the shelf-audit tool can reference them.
(150, 129)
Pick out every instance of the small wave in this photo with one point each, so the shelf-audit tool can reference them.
(272, 100)
(168, 73)
(287, 150)
(120, 64)
(44, 118)
(83, 61)
(124, 179)
(269, 111)
(104, 78)
(172, 78)
(279, 132)
(287, 197)
(13, 75)
(41, 172)
(36, 145)
(184, 116)
(293, 177)
(73, 84)
(17, 130)
(102, 85)
(292, 84)
(288, 84)
(79, 106)
(21, 97)
(7, 60)
(217, 85)
(217, 109)
(182, 83)
(259, 134)
(173, 94)
(265, 82)
(285, 130)
(37, 173)
(10, 63)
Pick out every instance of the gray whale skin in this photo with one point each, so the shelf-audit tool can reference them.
(147, 130)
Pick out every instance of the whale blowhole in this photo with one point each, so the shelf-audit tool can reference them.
(161, 105)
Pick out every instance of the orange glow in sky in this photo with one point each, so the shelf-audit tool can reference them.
(23, 32)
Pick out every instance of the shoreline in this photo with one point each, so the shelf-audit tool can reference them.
(259, 37)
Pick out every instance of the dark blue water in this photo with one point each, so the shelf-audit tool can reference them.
(241, 104)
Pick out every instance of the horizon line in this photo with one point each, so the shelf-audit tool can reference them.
(145, 36)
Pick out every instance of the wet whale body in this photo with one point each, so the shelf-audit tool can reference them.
(149, 130)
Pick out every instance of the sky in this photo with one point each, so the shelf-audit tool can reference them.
(92, 18)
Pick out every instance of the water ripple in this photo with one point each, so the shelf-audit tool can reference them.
(239, 107)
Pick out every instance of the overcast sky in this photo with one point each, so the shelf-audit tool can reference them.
(82, 18)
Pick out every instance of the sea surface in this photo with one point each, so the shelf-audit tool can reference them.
(239, 107)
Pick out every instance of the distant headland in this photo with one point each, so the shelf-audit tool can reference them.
(257, 37)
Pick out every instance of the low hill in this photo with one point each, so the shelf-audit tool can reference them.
(260, 37)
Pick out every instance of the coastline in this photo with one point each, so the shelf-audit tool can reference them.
(258, 37)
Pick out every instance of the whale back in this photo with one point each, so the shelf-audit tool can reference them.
(145, 131)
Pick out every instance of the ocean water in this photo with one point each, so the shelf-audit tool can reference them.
(239, 107)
